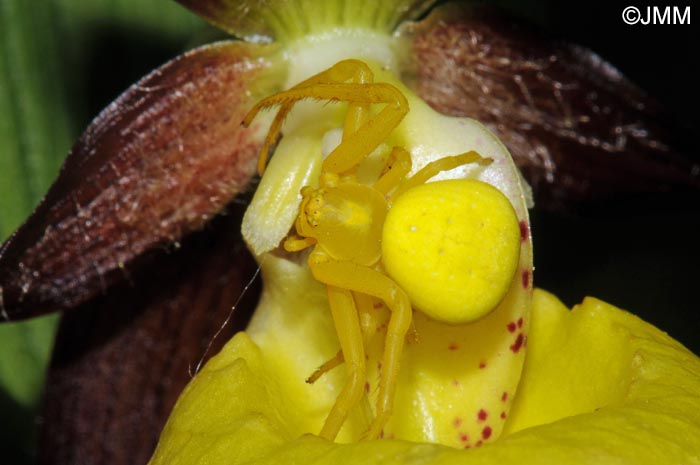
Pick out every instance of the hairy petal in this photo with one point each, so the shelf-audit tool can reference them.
(158, 163)
(578, 129)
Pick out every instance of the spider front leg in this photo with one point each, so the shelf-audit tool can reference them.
(354, 277)
(369, 131)
(346, 70)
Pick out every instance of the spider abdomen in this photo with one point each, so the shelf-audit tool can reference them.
(453, 246)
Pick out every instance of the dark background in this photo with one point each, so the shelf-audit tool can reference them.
(640, 254)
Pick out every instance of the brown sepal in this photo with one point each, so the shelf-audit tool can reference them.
(157, 164)
(121, 360)
(577, 128)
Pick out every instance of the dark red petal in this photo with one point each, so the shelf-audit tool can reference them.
(121, 361)
(577, 128)
(158, 163)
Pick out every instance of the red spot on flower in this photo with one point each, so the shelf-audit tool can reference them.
(377, 305)
(520, 322)
(367, 386)
(511, 327)
(482, 415)
(504, 397)
(478, 444)
(463, 437)
(453, 346)
(486, 432)
(517, 345)
(455, 382)
(503, 415)
(457, 422)
(524, 232)
(482, 364)
(526, 279)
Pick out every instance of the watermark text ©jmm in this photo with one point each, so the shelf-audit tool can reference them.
(656, 15)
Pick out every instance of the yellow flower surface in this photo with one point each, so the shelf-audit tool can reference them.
(600, 386)
(469, 280)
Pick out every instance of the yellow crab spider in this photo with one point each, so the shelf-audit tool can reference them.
(447, 248)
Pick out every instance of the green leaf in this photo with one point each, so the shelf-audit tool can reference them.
(45, 99)
(34, 134)
(34, 137)
(25, 351)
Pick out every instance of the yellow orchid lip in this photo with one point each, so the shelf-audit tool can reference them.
(468, 386)
(599, 386)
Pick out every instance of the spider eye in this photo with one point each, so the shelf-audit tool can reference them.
(453, 246)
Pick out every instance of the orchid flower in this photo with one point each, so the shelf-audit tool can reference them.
(159, 166)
